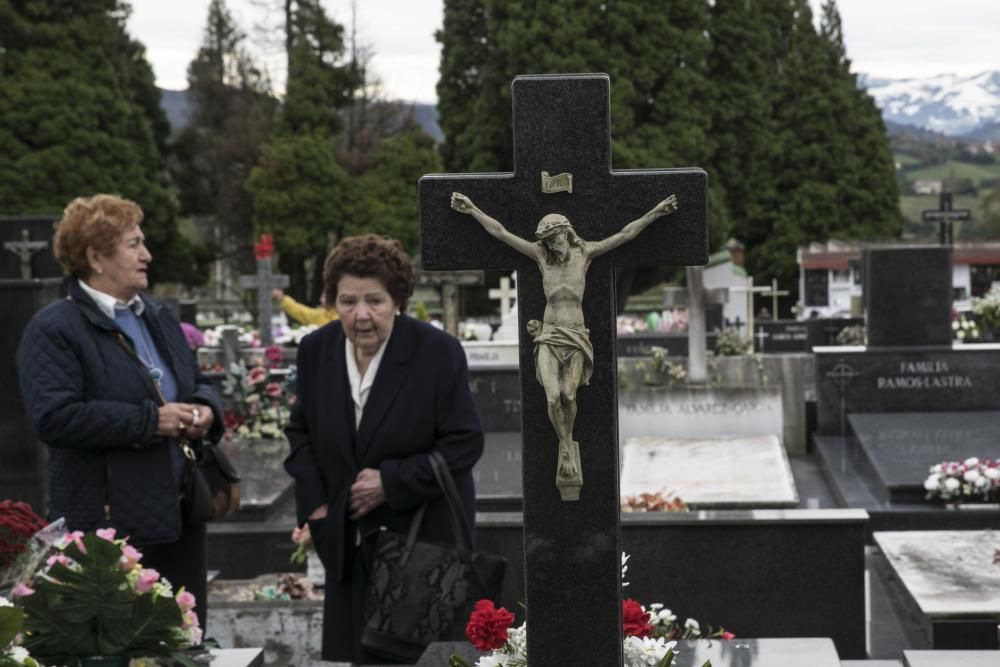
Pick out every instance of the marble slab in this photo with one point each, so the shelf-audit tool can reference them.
(236, 657)
(491, 354)
(943, 658)
(711, 473)
(901, 447)
(948, 573)
(498, 471)
(263, 482)
(798, 652)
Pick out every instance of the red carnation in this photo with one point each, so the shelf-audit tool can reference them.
(635, 621)
(264, 248)
(487, 626)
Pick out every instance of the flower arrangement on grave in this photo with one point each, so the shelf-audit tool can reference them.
(258, 402)
(852, 335)
(650, 635)
(93, 597)
(987, 309)
(972, 479)
(665, 321)
(730, 343)
(653, 502)
(18, 522)
(12, 654)
(964, 329)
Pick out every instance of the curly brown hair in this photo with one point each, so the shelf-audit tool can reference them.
(97, 222)
(370, 256)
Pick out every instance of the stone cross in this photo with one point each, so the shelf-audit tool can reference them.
(561, 125)
(264, 281)
(750, 290)
(24, 249)
(504, 294)
(448, 283)
(695, 297)
(761, 336)
(945, 215)
(774, 293)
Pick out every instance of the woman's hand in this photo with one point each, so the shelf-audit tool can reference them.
(366, 493)
(184, 420)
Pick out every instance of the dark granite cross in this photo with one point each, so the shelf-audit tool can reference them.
(561, 125)
(945, 215)
(24, 249)
(264, 281)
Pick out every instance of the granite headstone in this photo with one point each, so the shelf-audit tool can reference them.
(561, 125)
(907, 295)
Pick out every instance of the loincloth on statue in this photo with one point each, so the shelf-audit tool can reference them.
(564, 343)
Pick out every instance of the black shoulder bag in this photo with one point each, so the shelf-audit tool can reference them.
(211, 482)
(421, 592)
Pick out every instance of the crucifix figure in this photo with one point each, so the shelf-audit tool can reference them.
(946, 216)
(24, 249)
(564, 356)
(572, 537)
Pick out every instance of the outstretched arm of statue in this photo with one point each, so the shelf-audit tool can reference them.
(463, 204)
(632, 229)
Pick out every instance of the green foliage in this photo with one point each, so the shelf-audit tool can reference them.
(91, 609)
(298, 189)
(231, 119)
(730, 343)
(79, 115)
(385, 196)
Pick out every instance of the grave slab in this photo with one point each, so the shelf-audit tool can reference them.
(907, 296)
(736, 472)
(948, 582)
(264, 484)
(900, 448)
(812, 651)
(941, 658)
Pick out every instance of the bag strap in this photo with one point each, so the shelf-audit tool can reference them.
(460, 530)
(183, 443)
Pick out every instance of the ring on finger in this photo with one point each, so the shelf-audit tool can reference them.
(194, 415)
(181, 426)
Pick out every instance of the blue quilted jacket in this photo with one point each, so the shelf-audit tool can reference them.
(97, 410)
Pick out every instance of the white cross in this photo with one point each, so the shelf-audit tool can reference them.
(504, 294)
(760, 336)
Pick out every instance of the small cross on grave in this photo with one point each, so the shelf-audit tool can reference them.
(264, 281)
(946, 215)
(774, 293)
(505, 295)
(448, 283)
(695, 297)
(24, 249)
(750, 291)
(565, 247)
(760, 336)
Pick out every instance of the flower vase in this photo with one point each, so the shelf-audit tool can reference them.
(104, 661)
(315, 572)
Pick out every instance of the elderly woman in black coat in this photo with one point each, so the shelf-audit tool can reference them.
(111, 387)
(378, 391)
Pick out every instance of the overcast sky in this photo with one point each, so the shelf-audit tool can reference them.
(885, 38)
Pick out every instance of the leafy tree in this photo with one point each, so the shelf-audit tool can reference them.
(79, 114)
(387, 200)
(231, 119)
(298, 187)
(656, 58)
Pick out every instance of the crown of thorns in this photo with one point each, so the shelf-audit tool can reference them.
(550, 224)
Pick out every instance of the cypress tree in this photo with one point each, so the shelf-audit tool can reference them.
(79, 114)
(231, 119)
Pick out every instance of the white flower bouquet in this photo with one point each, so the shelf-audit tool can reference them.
(972, 479)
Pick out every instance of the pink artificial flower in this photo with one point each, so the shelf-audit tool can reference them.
(147, 578)
(60, 558)
(106, 534)
(193, 335)
(273, 354)
(273, 389)
(130, 557)
(185, 600)
(190, 620)
(21, 590)
(194, 635)
(76, 537)
(256, 375)
(728, 635)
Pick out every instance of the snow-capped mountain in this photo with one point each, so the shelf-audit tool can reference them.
(947, 103)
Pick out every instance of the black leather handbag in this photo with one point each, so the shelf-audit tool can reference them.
(211, 484)
(421, 592)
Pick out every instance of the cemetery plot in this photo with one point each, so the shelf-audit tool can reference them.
(900, 448)
(735, 472)
(948, 582)
(963, 658)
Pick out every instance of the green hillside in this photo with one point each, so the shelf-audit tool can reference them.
(953, 170)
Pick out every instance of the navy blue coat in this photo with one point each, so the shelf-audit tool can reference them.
(420, 402)
(98, 410)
